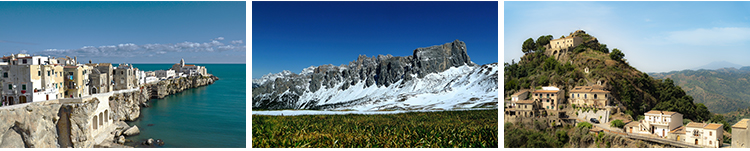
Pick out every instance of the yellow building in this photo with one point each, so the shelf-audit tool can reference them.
(76, 81)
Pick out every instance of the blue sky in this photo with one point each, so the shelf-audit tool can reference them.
(655, 36)
(295, 35)
(131, 32)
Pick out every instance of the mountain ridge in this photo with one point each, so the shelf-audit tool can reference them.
(438, 70)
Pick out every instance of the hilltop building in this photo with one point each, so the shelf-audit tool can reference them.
(562, 46)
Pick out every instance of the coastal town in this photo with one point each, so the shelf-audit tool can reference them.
(593, 103)
(27, 78)
(82, 105)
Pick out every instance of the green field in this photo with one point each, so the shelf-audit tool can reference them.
(476, 128)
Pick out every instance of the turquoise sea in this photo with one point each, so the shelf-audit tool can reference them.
(211, 116)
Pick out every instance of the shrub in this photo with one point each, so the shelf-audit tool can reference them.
(617, 123)
(584, 124)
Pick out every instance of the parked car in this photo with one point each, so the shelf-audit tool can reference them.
(594, 120)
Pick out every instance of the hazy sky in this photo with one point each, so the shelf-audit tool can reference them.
(655, 36)
(132, 32)
(295, 35)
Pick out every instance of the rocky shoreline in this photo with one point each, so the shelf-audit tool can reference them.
(61, 124)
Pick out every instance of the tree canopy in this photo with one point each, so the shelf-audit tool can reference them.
(616, 55)
(528, 46)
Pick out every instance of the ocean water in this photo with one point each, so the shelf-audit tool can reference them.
(210, 116)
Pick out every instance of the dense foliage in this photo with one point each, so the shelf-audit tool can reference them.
(617, 123)
(722, 90)
(417, 129)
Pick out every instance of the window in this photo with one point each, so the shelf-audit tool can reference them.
(571, 95)
(24, 61)
(5, 74)
(710, 133)
(48, 73)
(39, 72)
(585, 96)
(10, 86)
(23, 87)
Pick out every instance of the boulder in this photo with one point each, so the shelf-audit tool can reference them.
(149, 141)
(121, 139)
(11, 139)
(132, 131)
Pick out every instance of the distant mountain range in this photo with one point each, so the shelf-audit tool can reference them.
(722, 90)
(718, 65)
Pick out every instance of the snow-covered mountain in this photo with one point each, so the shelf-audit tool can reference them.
(439, 77)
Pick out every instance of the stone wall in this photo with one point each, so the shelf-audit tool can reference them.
(591, 114)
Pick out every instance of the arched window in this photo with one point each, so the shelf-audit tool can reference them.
(585, 96)
(95, 126)
(594, 96)
(101, 118)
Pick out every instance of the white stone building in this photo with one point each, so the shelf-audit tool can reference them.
(709, 135)
(660, 122)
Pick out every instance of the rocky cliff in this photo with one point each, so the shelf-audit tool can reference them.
(312, 88)
(51, 124)
(32, 125)
(172, 86)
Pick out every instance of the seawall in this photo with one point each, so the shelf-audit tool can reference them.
(82, 122)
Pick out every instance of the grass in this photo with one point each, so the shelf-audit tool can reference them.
(477, 128)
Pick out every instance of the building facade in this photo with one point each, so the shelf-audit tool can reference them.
(660, 122)
(740, 134)
(593, 96)
(709, 135)
(549, 97)
(520, 95)
(77, 81)
(124, 76)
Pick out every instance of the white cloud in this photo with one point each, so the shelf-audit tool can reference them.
(713, 36)
(133, 50)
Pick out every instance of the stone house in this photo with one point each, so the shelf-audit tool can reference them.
(709, 135)
(526, 108)
(678, 134)
(594, 96)
(632, 127)
(660, 122)
(520, 95)
(549, 97)
(740, 134)
(124, 76)
(102, 78)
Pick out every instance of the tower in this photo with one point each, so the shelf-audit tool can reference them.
(182, 62)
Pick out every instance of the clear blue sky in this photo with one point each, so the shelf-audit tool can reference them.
(132, 32)
(295, 35)
(655, 36)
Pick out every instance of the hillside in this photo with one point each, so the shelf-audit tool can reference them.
(722, 90)
(635, 91)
